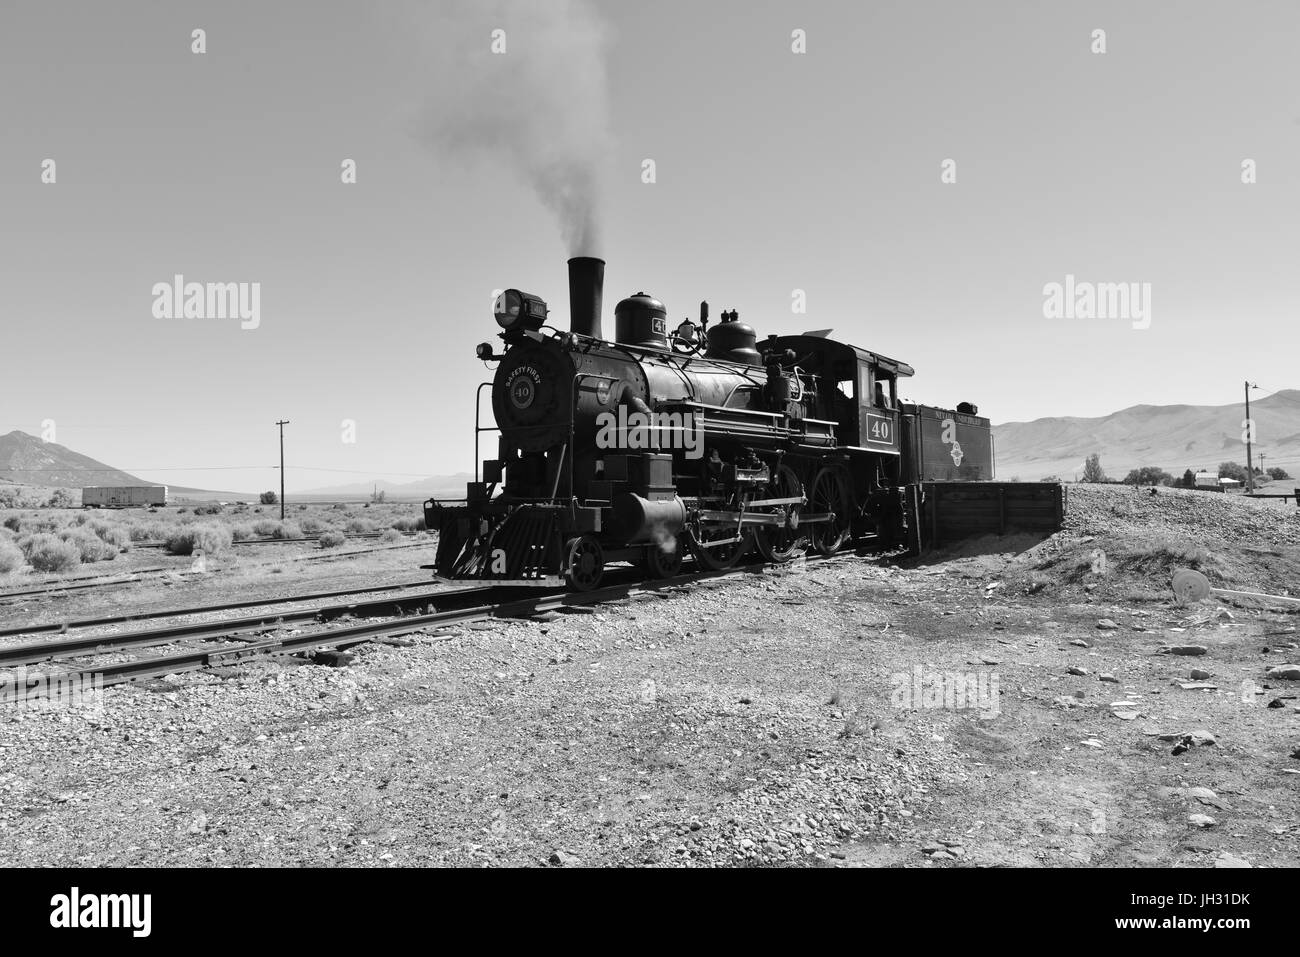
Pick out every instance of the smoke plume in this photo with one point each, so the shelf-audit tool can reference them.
(540, 107)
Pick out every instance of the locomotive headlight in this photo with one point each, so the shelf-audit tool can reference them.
(484, 351)
(519, 310)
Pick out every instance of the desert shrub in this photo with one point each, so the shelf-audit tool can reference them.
(61, 498)
(209, 537)
(13, 523)
(47, 553)
(390, 535)
(289, 531)
(11, 557)
(149, 531)
(35, 524)
(332, 539)
(314, 526)
(268, 498)
(361, 526)
(266, 528)
(337, 507)
(116, 535)
(242, 532)
(90, 546)
(213, 509)
(409, 523)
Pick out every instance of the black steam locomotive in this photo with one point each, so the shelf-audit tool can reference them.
(701, 440)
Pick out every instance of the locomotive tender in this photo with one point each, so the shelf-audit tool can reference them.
(702, 440)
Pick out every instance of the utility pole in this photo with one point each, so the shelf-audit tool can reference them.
(282, 423)
(1261, 463)
(1250, 427)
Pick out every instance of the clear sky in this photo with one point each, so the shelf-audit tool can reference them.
(775, 171)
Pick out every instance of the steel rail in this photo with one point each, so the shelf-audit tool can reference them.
(27, 687)
(62, 648)
(61, 627)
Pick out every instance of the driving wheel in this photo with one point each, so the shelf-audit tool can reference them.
(663, 560)
(780, 543)
(718, 557)
(830, 496)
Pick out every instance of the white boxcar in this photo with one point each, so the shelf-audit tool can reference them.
(123, 496)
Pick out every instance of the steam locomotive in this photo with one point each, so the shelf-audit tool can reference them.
(699, 441)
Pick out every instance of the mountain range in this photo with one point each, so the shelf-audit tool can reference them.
(27, 460)
(1173, 437)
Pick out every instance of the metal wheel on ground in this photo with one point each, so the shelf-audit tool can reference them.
(718, 557)
(831, 497)
(780, 543)
(586, 563)
(664, 560)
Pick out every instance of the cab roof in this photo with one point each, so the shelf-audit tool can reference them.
(835, 349)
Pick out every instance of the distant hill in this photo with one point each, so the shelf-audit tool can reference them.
(435, 486)
(25, 459)
(1173, 437)
(28, 461)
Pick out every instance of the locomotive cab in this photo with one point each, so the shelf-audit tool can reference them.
(862, 397)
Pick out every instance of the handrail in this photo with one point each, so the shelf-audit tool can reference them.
(478, 396)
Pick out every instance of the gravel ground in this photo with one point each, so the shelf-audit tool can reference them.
(781, 718)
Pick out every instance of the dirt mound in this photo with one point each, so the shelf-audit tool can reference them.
(1205, 516)
(1129, 544)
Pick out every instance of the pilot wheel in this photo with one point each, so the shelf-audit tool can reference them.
(586, 563)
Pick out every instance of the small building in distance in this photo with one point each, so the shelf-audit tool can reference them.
(1211, 482)
(123, 496)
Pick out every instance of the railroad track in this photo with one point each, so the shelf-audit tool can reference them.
(65, 626)
(125, 578)
(243, 637)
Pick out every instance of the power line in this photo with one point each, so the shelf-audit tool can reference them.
(210, 468)
(169, 468)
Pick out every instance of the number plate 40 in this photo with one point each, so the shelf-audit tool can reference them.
(880, 429)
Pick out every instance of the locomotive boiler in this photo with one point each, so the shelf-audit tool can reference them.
(700, 440)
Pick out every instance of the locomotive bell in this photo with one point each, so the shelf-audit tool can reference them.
(641, 320)
(734, 341)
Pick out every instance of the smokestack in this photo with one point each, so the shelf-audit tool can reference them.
(586, 285)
